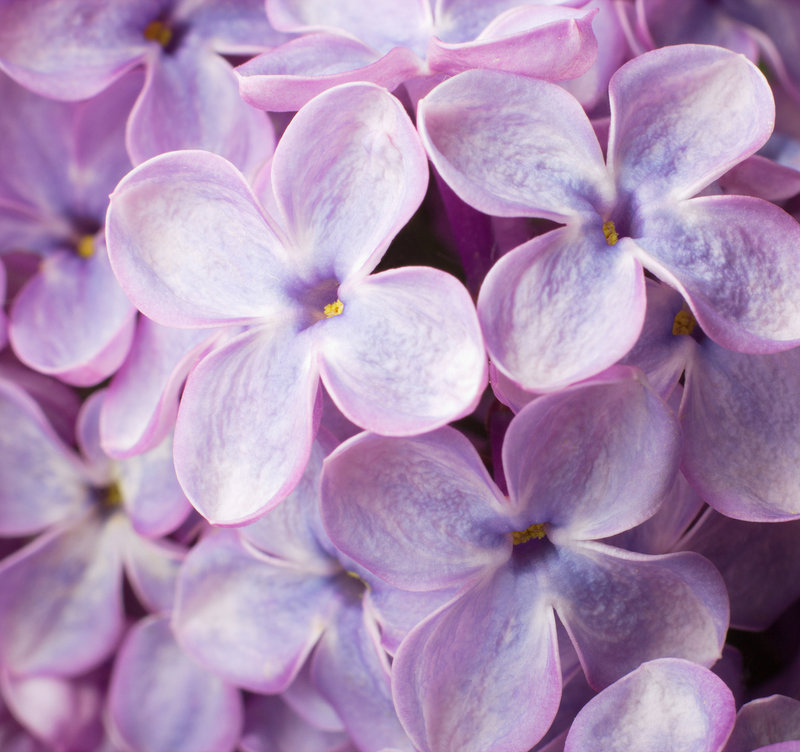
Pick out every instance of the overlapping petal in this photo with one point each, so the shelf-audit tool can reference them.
(514, 146)
(406, 354)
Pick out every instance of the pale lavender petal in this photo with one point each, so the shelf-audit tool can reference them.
(552, 309)
(666, 704)
(305, 699)
(43, 481)
(406, 355)
(515, 146)
(420, 513)
(190, 244)
(621, 609)
(152, 568)
(349, 172)
(75, 48)
(757, 562)
(765, 722)
(142, 400)
(456, 693)
(547, 42)
(237, 29)
(352, 673)
(87, 433)
(382, 24)
(61, 600)
(736, 260)
(160, 700)
(286, 78)
(250, 618)
(682, 116)
(245, 424)
(741, 438)
(72, 319)
(618, 449)
(270, 725)
(191, 101)
(761, 177)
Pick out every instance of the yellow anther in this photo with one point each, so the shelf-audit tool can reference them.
(158, 31)
(610, 232)
(112, 497)
(534, 531)
(684, 322)
(357, 577)
(333, 309)
(85, 246)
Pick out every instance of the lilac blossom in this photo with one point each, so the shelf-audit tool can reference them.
(570, 302)
(422, 514)
(400, 351)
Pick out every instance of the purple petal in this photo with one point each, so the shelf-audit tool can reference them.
(420, 513)
(550, 43)
(160, 700)
(286, 78)
(61, 600)
(514, 146)
(239, 29)
(550, 309)
(233, 461)
(766, 721)
(348, 174)
(406, 355)
(191, 101)
(741, 440)
(152, 568)
(190, 244)
(621, 609)
(736, 260)
(664, 704)
(682, 116)
(250, 618)
(456, 693)
(618, 447)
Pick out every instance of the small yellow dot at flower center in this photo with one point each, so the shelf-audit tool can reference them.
(333, 309)
(610, 232)
(158, 31)
(112, 497)
(684, 322)
(85, 246)
(534, 531)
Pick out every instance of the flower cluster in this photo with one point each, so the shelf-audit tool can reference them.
(401, 376)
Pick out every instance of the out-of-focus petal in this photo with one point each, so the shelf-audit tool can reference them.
(482, 673)
(406, 355)
(682, 116)
(152, 568)
(515, 146)
(593, 460)
(736, 260)
(160, 700)
(664, 704)
(621, 609)
(238, 29)
(562, 307)
(245, 424)
(420, 513)
(348, 174)
(765, 722)
(190, 244)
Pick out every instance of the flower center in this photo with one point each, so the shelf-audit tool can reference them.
(534, 531)
(158, 31)
(333, 309)
(111, 497)
(610, 232)
(684, 322)
(85, 246)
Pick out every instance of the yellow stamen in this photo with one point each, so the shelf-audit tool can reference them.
(85, 246)
(112, 497)
(357, 577)
(158, 31)
(684, 322)
(333, 309)
(534, 531)
(610, 232)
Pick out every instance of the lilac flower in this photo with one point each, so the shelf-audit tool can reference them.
(390, 42)
(73, 49)
(400, 352)
(570, 302)
(482, 672)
